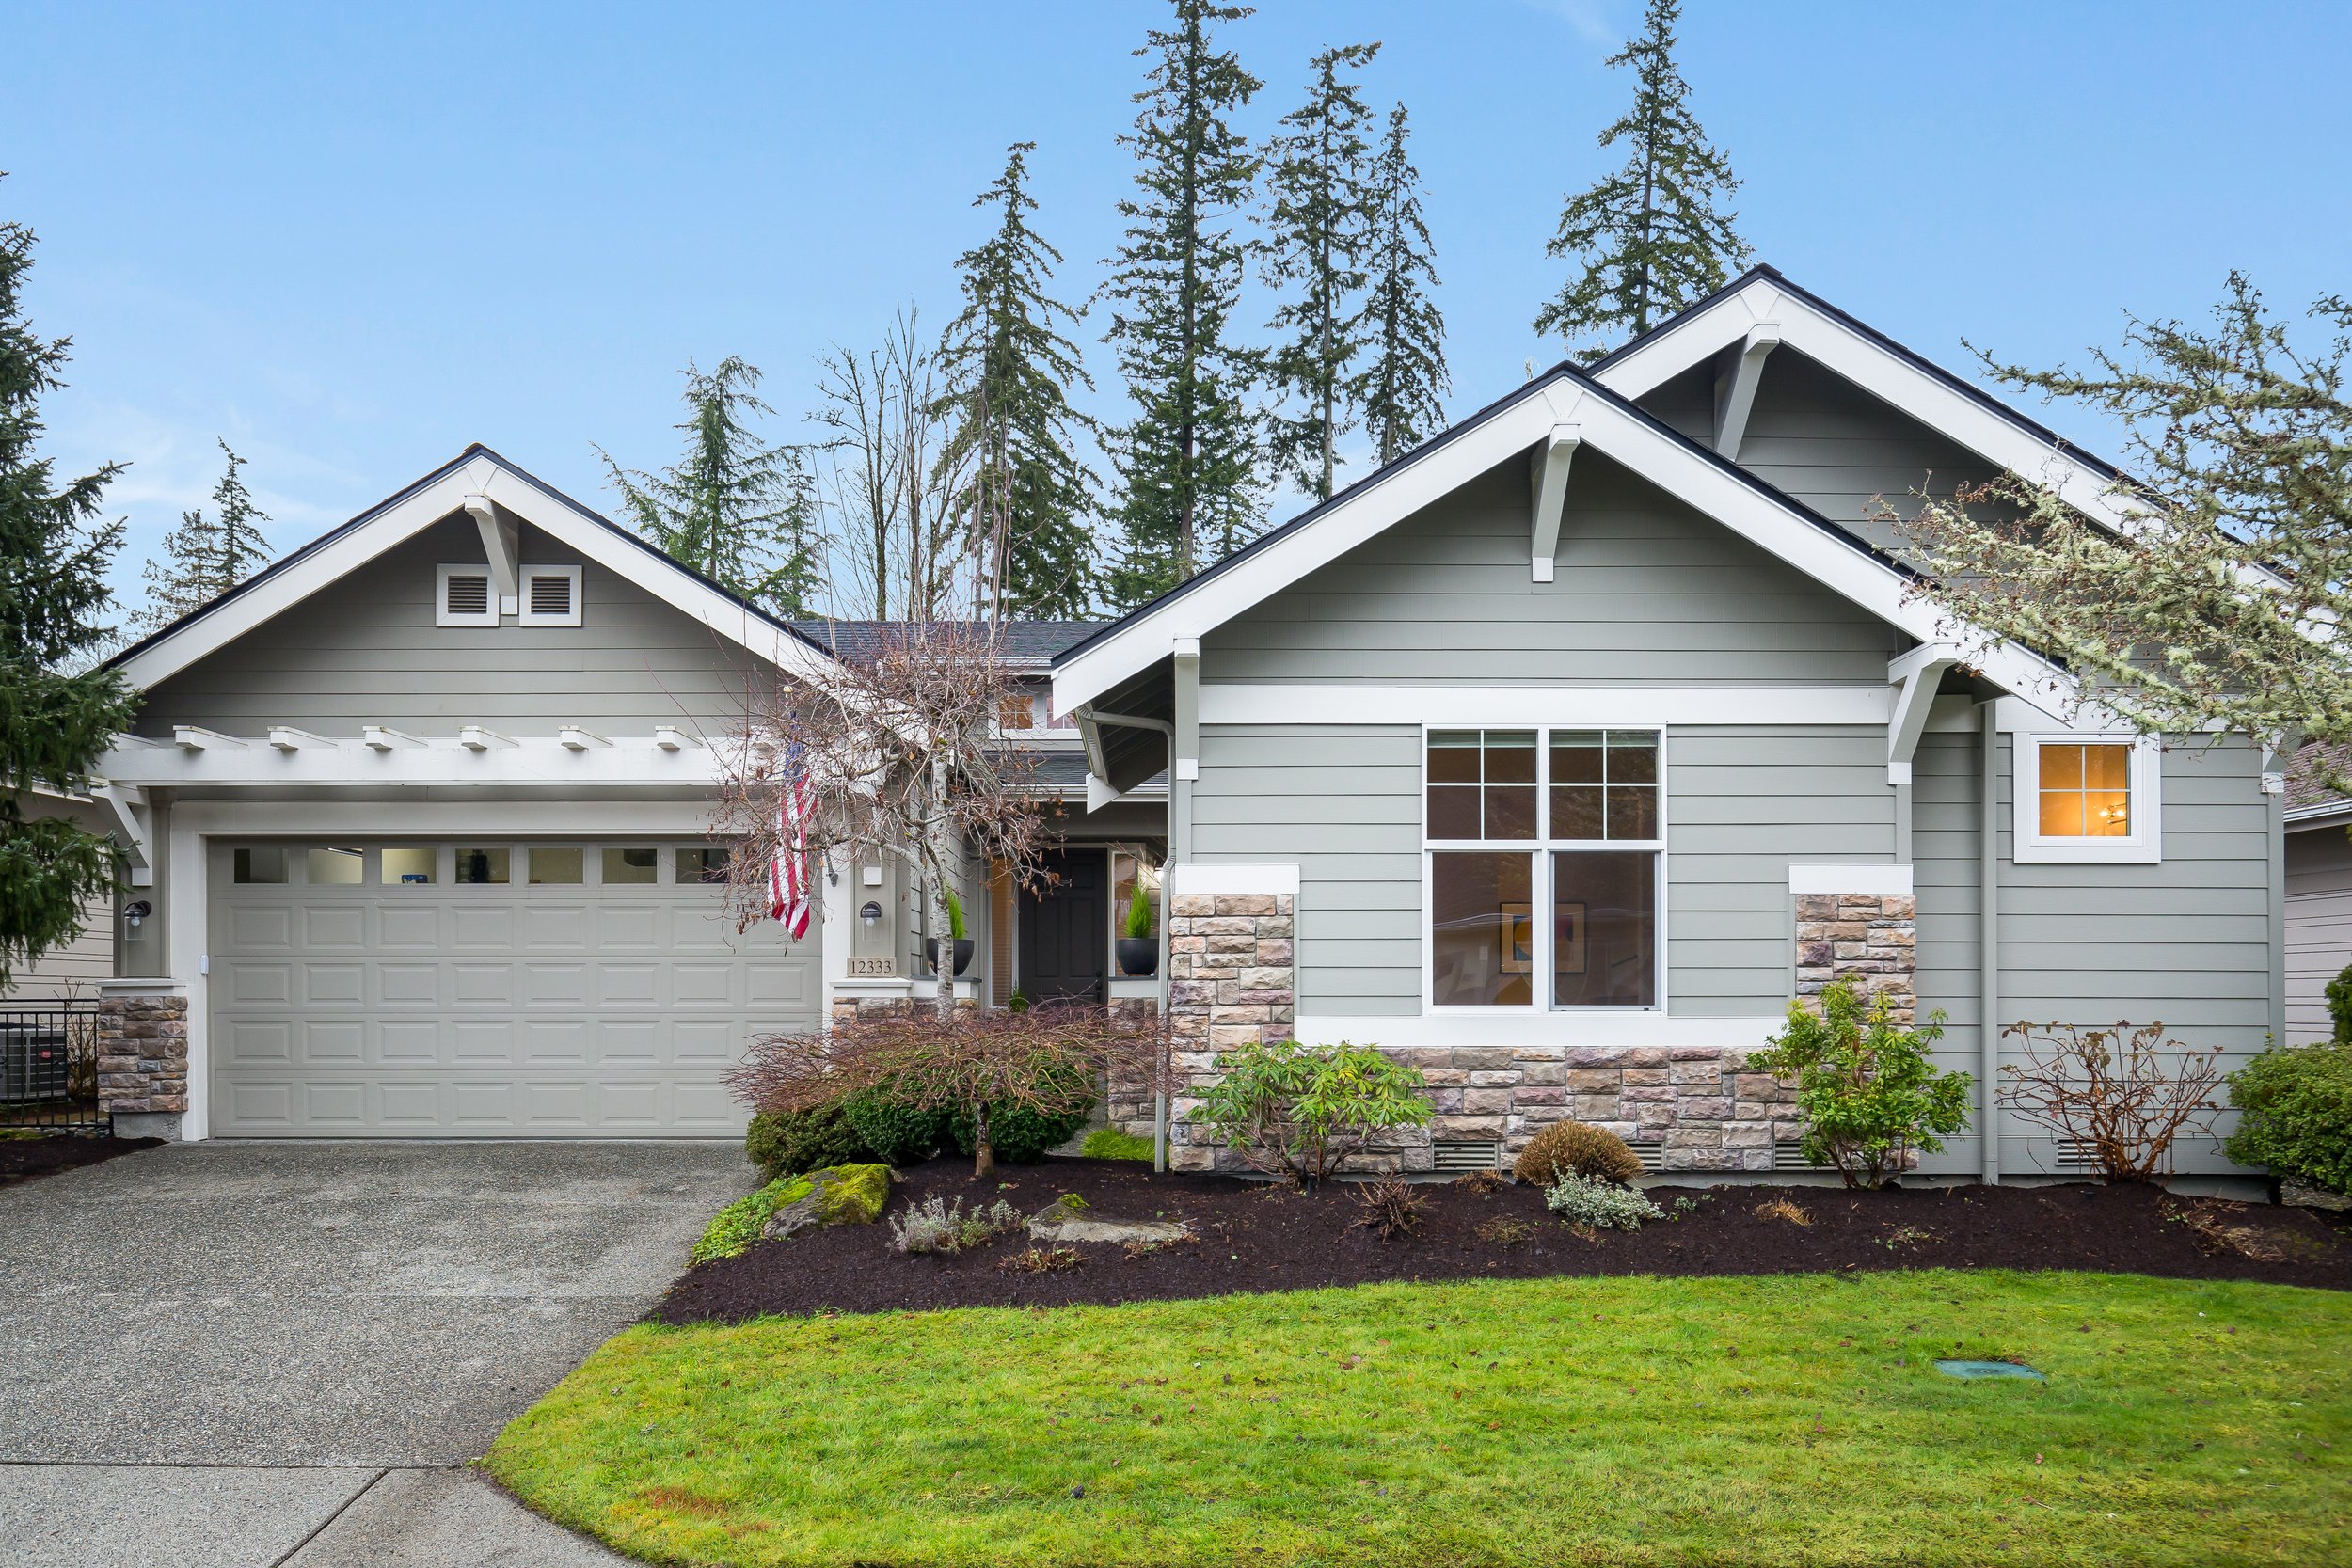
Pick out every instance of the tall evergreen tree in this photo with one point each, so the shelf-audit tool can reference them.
(1649, 238)
(1188, 460)
(53, 552)
(1403, 385)
(1013, 370)
(1319, 230)
(205, 557)
(741, 513)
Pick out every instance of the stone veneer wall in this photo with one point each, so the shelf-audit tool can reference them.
(143, 1054)
(1232, 981)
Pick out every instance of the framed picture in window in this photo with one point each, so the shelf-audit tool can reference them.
(1567, 939)
(1518, 937)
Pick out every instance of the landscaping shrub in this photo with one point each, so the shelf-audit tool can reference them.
(1391, 1208)
(898, 1133)
(2125, 1093)
(1109, 1142)
(1869, 1092)
(1602, 1205)
(1040, 1260)
(1025, 1134)
(2295, 1114)
(1300, 1111)
(938, 1224)
(1577, 1147)
(2340, 1006)
(785, 1142)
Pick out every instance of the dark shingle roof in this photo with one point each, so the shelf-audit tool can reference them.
(2304, 790)
(1025, 641)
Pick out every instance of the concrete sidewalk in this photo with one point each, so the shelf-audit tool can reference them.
(262, 1355)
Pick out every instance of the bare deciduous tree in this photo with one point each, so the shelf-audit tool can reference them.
(896, 743)
(1046, 1060)
(2124, 1094)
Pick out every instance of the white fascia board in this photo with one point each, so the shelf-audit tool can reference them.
(1199, 877)
(484, 477)
(527, 763)
(1569, 707)
(1714, 491)
(1876, 370)
(1882, 881)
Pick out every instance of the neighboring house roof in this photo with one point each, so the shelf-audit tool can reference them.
(1025, 642)
(1564, 403)
(2308, 799)
(475, 472)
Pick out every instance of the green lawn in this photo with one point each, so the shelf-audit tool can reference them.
(1787, 1420)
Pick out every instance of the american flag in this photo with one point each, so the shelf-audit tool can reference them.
(789, 899)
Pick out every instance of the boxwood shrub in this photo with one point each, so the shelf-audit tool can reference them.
(896, 1133)
(787, 1143)
(2295, 1114)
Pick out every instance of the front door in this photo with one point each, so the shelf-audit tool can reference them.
(1065, 930)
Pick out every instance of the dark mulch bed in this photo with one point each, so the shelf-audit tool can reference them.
(1253, 1237)
(26, 1159)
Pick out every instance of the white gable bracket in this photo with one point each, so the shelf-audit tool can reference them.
(1912, 680)
(1735, 386)
(128, 804)
(1548, 481)
(500, 546)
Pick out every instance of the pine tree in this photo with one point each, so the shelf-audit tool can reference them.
(1188, 460)
(741, 513)
(205, 557)
(1013, 369)
(1649, 238)
(1319, 232)
(1403, 386)
(53, 553)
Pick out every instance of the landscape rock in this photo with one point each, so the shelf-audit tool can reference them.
(838, 1195)
(2302, 1194)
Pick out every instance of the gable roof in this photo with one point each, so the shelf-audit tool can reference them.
(1565, 401)
(476, 471)
(1897, 375)
(1022, 644)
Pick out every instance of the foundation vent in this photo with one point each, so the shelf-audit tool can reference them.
(1466, 1156)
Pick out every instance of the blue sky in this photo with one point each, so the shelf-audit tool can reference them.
(352, 239)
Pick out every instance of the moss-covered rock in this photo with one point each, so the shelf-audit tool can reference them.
(840, 1195)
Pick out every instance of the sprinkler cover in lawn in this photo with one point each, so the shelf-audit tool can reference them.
(1989, 1368)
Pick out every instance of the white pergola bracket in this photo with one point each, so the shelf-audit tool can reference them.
(574, 738)
(500, 547)
(127, 804)
(475, 737)
(194, 737)
(671, 738)
(286, 738)
(1735, 388)
(1911, 679)
(382, 738)
(1549, 482)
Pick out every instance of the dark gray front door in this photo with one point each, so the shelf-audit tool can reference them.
(1065, 930)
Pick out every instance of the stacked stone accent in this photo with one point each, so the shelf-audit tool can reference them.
(1862, 937)
(143, 1054)
(1231, 981)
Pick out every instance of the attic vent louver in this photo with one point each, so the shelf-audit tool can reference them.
(550, 596)
(463, 597)
(468, 596)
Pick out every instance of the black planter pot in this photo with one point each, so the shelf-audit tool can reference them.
(963, 953)
(1138, 957)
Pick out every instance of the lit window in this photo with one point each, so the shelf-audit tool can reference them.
(558, 867)
(2086, 790)
(335, 866)
(414, 865)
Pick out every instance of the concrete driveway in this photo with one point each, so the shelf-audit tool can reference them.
(264, 1355)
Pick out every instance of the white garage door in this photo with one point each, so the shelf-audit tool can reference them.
(488, 989)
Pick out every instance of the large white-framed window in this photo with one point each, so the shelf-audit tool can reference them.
(1543, 868)
(2088, 798)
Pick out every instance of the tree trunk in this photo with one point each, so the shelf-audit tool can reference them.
(936, 871)
(983, 1146)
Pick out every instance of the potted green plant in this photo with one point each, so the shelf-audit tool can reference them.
(956, 930)
(1139, 949)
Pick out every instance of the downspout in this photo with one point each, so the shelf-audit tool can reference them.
(1988, 946)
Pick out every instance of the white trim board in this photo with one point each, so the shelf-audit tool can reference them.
(482, 472)
(1886, 881)
(1519, 1026)
(497, 762)
(1366, 702)
(1696, 479)
(1196, 878)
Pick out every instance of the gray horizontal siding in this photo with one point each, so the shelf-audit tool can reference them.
(2319, 926)
(365, 651)
(1342, 803)
(1648, 592)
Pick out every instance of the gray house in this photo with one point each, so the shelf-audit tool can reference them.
(2319, 901)
(1555, 758)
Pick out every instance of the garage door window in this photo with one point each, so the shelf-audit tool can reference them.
(484, 867)
(702, 862)
(409, 864)
(631, 866)
(557, 867)
(263, 862)
(333, 867)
